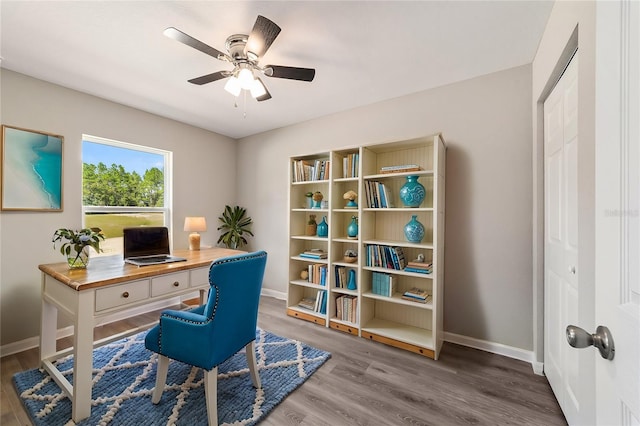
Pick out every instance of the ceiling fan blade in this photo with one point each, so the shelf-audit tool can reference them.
(262, 35)
(209, 77)
(292, 73)
(267, 95)
(196, 44)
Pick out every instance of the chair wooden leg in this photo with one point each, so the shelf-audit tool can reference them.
(250, 350)
(211, 395)
(161, 378)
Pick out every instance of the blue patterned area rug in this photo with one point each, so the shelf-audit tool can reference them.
(124, 374)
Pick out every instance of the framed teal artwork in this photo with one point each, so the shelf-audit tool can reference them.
(31, 177)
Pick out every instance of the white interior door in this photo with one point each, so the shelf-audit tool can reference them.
(561, 283)
(618, 209)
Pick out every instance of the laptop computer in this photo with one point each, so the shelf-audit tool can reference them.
(148, 245)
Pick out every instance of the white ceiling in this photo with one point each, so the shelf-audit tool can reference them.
(363, 52)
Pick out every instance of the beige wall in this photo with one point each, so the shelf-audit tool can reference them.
(486, 123)
(202, 163)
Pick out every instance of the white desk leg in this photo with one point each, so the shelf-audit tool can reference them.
(83, 356)
(48, 327)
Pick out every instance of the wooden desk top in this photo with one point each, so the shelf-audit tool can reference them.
(108, 270)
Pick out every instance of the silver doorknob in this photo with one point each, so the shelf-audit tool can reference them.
(601, 339)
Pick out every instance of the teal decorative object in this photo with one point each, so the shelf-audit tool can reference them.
(323, 228)
(413, 230)
(412, 192)
(351, 285)
(352, 229)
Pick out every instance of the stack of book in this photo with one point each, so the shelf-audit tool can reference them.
(314, 254)
(382, 284)
(417, 295)
(419, 267)
(402, 168)
(346, 308)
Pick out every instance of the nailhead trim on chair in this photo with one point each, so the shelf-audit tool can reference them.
(215, 306)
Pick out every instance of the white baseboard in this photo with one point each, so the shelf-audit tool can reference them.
(272, 293)
(496, 348)
(33, 342)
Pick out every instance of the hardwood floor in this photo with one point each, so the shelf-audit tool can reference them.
(367, 383)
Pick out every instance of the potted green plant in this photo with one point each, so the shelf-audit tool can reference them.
(76, 246)
(234, 225)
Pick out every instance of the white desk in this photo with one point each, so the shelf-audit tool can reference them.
(107, 286)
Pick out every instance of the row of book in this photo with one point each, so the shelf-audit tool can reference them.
(402, 168)
(305, 171)
(341, 277)
(317, 304)
(377, 194)
(317, 273)
(346, 308)
(382, 284)
(381, 256)
(417, 295)
(350, 167)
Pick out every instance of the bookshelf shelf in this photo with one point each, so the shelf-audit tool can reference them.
(391, 320)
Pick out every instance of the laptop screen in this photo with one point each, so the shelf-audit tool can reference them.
(146, 241)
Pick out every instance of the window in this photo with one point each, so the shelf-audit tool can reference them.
(124, 185)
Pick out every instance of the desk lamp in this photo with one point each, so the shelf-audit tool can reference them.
(195, 225)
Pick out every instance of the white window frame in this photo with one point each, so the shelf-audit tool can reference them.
(168, 178)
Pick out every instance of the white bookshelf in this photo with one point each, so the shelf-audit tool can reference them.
(390, 320)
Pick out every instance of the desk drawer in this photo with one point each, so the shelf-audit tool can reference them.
(169, 283)
(122, 294)
(199, 277)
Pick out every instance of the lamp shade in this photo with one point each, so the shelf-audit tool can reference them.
(195, 224)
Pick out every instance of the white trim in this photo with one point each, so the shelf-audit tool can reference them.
(273, 293)
(496, 348)
(32, 342)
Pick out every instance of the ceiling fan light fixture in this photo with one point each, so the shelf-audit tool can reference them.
(245, 78)
(233, 86)
(258, 89)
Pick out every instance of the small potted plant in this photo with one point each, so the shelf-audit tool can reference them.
(76, 245)
(234, 224)
(312, 225)
(317, 199)
(351, 197)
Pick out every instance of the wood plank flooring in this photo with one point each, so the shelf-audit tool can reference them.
(367, 383)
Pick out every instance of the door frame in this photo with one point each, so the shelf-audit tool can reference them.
(556, 54)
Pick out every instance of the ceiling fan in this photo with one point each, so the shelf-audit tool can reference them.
(244, 52)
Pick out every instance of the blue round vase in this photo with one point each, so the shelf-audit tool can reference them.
(322, 230)
(414, 230)
(412, 192)
(352, 229)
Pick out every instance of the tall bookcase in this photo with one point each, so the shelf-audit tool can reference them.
(388, 319)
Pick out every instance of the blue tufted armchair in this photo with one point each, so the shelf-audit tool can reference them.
(210, 334)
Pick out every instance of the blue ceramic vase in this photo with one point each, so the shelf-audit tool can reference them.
(412, 192)
(323, 228)
(413, 230)
(352, 229)
(352, 280)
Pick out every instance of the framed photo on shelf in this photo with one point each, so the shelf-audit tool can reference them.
(31, 177)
